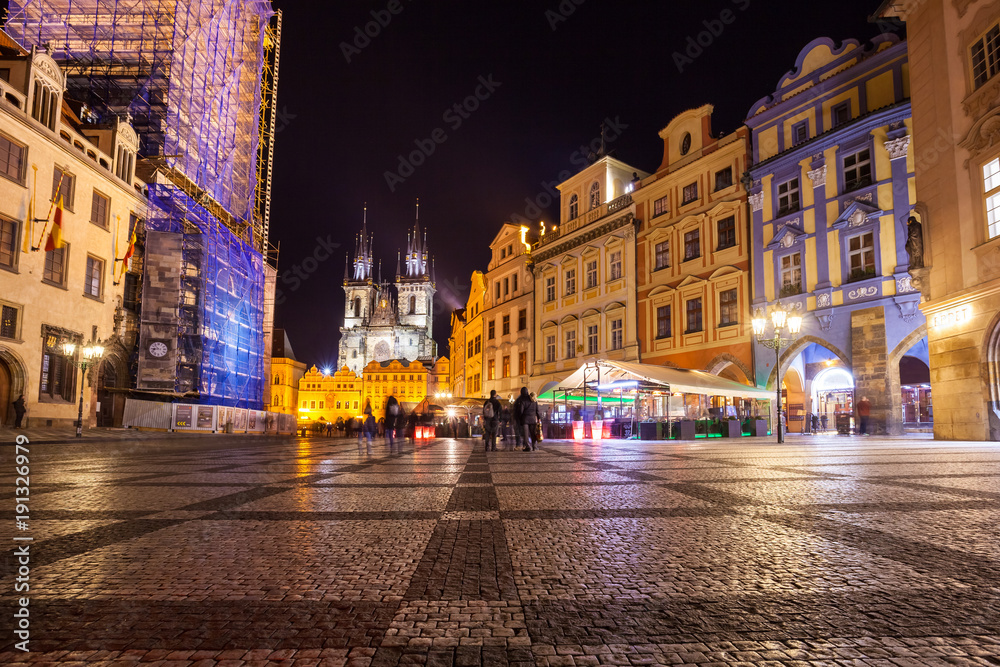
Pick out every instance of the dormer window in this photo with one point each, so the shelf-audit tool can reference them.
(595, 195)
(574, 207)
(45, 105)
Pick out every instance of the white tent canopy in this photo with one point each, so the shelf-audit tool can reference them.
(677, 380)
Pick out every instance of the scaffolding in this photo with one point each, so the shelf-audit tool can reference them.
(190, 74)
(220, 349)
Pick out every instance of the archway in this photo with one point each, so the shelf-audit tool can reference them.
(910, 384)
(833, 396)
(793, 400)
(991, 361)
(810, 358)
(112, 377)
(12, 384)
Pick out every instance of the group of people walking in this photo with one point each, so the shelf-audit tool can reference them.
(522, 415)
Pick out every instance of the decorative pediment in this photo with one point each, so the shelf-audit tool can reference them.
(590, 250)
(788, 234)
(615, 305)
(549, 324)
(45, 65)
(724, 271)
(591, 312)
(127, 135)
(569, 259)
(857, 214)
(568, 319)
(985, 133)
(662, 289)
(691, 280)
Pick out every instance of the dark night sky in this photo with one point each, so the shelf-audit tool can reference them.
(343, 124)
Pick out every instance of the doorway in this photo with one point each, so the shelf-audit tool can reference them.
(6, 409)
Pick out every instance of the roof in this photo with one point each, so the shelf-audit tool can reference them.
(677, 380)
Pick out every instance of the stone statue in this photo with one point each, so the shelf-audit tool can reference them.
(915, 243)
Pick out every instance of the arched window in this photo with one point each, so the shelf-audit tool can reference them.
(574, 207)
(595, 195)
(276, 380)
(357, 307)
(413, 305)
(277, 401)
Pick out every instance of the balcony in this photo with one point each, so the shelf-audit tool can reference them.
(588, 217)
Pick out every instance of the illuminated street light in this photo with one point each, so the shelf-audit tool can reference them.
(90, 354)
(782, 319)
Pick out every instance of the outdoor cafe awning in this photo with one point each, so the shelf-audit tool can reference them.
(674, 380)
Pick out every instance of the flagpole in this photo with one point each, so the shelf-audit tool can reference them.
(30, 222)
(114, 250)
(51, 207)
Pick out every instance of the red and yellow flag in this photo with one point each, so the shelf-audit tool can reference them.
(55, 240)
(128, 251)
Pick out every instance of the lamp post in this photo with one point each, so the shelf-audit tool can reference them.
(782, 319)
(90, 354)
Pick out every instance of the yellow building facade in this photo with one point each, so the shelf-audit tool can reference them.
(329, 397)
(472, 338)
(508, 319)
(584, 279)
(74, 293)
(406, 380)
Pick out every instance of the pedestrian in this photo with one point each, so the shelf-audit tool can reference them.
(864, 412)
(824, 420)
(367, 427)
(516, 424)
(528, 416)
(411, 427)
(19, 411)
(491, 419)
(391, 414)
(400, 426)
(504, 422)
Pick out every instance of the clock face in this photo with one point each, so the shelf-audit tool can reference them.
(158, 349)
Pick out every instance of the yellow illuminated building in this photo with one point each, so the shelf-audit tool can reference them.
(406, 380)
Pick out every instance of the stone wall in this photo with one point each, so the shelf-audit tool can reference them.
(872, 376)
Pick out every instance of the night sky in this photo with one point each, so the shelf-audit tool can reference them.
(553, 76)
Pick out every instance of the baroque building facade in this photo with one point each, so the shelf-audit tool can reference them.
(693, 251)
(831, 192)
(953, 54)
(77, 292)
(384, 321)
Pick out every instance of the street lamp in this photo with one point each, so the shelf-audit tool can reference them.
(782, 319)
(90, 354)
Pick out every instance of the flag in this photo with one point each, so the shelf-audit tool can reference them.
(28, 225)
(55, 240)
(129, 251)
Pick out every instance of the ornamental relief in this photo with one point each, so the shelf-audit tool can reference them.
(862, 292)
(823, 301)
(897, 147)
(756, 201)
(817, 176)
(904, 285)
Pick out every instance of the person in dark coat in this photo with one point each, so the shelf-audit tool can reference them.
(527, 411)
(391, 414)
(19, 411)
(515, 421)
(491, 420)
(368, 427)
(411, 427)
(864, 412)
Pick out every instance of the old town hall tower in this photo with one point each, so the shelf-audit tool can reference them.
(385, 321)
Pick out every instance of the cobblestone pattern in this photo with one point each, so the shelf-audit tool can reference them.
(822, 552)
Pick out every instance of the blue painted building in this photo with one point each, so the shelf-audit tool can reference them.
(832, 189)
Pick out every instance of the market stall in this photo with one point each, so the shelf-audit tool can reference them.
(615, 399)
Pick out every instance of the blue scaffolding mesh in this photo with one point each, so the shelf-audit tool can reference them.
(219, 342)
(187, 71)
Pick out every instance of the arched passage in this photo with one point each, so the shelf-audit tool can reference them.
(13, 380)
(112, 378)
(991, 361)
(909, 383)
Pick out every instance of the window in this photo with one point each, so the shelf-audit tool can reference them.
(513, 280)
(305, 404)
(58, 374)
(498, 290)
(841, 113)
(616, 334)
(413, 305)
(574, 207)
(491, 369)
(321, 405)
(616, 265)
(986, 57)
(11, 160)
(595, 195)
(800, 132)
(503, 252)
(506, 325)
(506, 367)
(99, 210)
(861, 254)
(62, 185)
(723, 178)
(788, 196)
(791, 274)
(550, 288)
(570, 282)
(550, 348)
(692, 244)
(662, 251)
(592, 274)
(55, 266)
(660, 207)
(93, 280)
(592, 342)
(9, 317)
(522, 319)
(479, 344)
(693, 315)
(857, 170)
(506, 286)
(663, 328)
(491, 330)
(8, 243)
(471, 348)
(522, 363)
(45, 105)
(690, 194)
(570, 344)
(357, 307)
(991, 188)
(727, 232)
(728, 308)
(312, 405)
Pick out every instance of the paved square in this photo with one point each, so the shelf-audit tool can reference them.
(822, 551)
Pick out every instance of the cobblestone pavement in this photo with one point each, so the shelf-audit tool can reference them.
(822, 551)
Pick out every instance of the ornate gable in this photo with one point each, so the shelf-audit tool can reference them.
(857, 214)
(788, 234)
